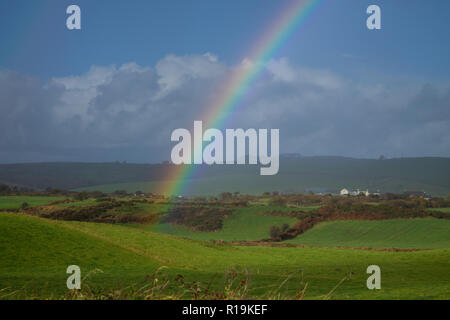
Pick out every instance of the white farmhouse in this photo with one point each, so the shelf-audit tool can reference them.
(361, 193)
(346, 192)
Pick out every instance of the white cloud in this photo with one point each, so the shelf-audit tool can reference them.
(281, 70)
(174, 71)
(131, 110)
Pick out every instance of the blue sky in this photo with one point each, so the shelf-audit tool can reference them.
(139, 69)
(413, 39)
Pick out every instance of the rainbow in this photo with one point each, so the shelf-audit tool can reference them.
(241, 79)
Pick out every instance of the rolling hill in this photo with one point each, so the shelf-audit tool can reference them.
(297, 174)
(36, 253)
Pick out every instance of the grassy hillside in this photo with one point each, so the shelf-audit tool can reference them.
(297, 174)
(398, 233)
(244, 224)
(36, 253)
(14, 202)
(67, 175)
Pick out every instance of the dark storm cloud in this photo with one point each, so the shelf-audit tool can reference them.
(128, 112)
(26, 112)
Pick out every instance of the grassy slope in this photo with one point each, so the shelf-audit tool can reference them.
(37, 251)
(14, 202)
(398, 233)
(244, 224)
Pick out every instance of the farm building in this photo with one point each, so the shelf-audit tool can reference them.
(346, 192)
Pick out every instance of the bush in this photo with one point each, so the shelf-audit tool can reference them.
(120, 193)
(200, 218)
(278, 202)
(226, 196)
(81, 196)
(4, 189)
(275, 232)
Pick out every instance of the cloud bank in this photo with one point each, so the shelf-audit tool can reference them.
(117, 113)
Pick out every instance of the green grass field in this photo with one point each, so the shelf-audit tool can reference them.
(397, 233)
(36, 253)
(14, 202)
(244, 224)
